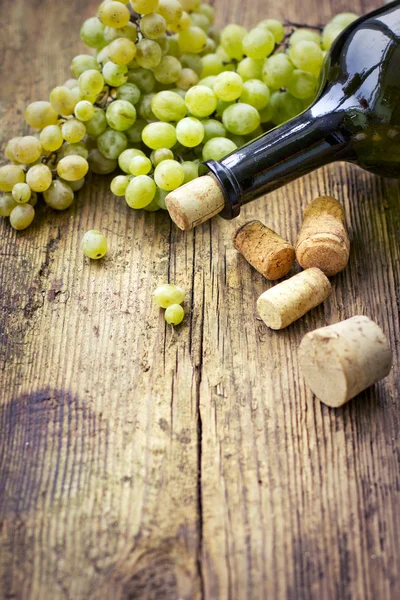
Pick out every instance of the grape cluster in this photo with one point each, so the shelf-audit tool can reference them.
(163, 90)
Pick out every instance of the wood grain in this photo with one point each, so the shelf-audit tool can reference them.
(141, 462)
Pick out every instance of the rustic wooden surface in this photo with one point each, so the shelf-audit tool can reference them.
(141, 462)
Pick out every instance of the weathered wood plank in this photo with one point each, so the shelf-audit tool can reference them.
(140, 462)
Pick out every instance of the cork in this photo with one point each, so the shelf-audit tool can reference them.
(323, 241)
(264, 249)
(195, 202)
(340, 361)
(286, 302)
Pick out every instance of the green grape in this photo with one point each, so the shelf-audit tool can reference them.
(215, 34)
(140, 191)
(92, 33)
(254, 134)
(217, 148)
(59, 195)
(190, 5)
(22, 216)
(168, 106)
(190, 132)
(51, 138)
(255, 93)
(212, 65)
(102, 56)
(171, 10)
(191, 170)
(75, 185)
(144, 108)
(168, 71)
(121, 115)
(222, 106)
(71, 83)
(73, 131)
(213, 129)
(7, 204)
(77, 148)
(199, 20)
(248, 68)
(62, 100)
(134, 133)
(201, 101)
(210, 47)
(82, 63)
(144, 7)
(232, 41)
(275, 27)
(121, 51)
(129, 92)
(152, 207)
(140, 165)
(84, 110)
(115, 75)
(258, 43)
(187, 79)
(9, 149)
(153, 26)
(40, 114)
(192, 40)
(169, 175)
(174, 314)
(91, 82)
(284, 107)
(100, 164)
(143, 78)
(302, 85)
(266, 113)
(304, 35)
(329, 34)
(208, 11)
(277, 71)
(39, 178)
(208, 81)
(148, 54)
(172, 47)
(228, 87)
(344, 19)
(239, 140)
(159, 198)
(159, 135)
(119, 185)
(192, 61)
(161, 154)
(94, 243)
(9, 176)
(306, 56)
(126, 157)
(180, 93)
(168, 294)
(129, 32)
(97, 124)
(27, 150)
(72, 168)
(111, 143)
(33, 199)
(241, 119)
(21, 193)
(114, 14)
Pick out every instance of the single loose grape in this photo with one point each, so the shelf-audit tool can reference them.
(169, 175)
(21, 193)
(9, 176)
(121, 115)
(39, 178)
(187, 79)
(277, 71)
(92, 33)
(275, 27)
(213, 129)
(140, 165)
(119, 185)
(72, 168)
(217, 148)
(40, 114)
(84, 110)
(256, 93)
(22, 216)
(144, 7)
(125, 158)
(168, 106)
(153, 26)
(228, 86)
(159, 135)
(114, 14)
(73, 131)
(190, 132)
(148, 54)
(82, 63)
(111, 143)
(174, 314)
(201, 101)
(248, 68)
(27, 150)
(306, 56)
(191, 170)
(51, 138)
(115, 75)
(59, 195)
(7, 204)
(97, 124)
(192, 40)
(161, 154)
(241, 119)
(232, 40)
(121, 51)
(258, 43)
(168, 71)
(94, 243)
(168, 294)
(140, 191)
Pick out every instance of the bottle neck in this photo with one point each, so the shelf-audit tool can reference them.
(278, 157)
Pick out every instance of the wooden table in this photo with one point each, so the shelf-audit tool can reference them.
(138, 461)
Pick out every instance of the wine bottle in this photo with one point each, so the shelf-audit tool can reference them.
(355, 118)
